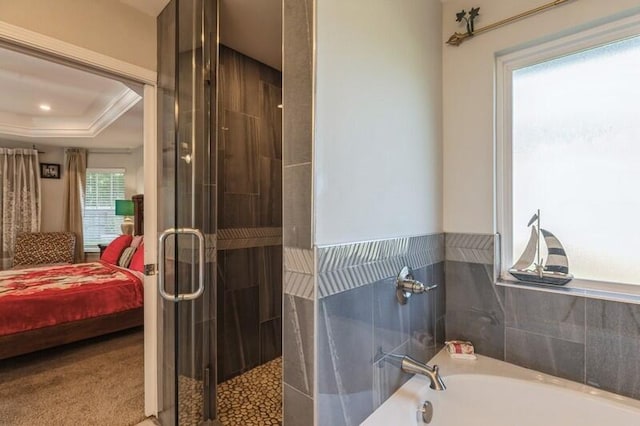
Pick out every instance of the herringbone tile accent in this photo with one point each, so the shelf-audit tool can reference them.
(237, 238)
(300, 285)
(348, 266)
(470, 248)
(298, 260)
(299, 270)
(234, 233)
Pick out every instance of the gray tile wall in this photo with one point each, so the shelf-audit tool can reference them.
(586, 340)
(360, 323)
(297, 122)
(297, 201)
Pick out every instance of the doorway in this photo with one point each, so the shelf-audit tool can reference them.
(55, 108)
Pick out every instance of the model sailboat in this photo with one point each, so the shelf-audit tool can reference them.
(532, 268)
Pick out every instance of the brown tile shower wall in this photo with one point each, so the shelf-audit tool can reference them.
(250, 214)
(299, 280)
(584, 339)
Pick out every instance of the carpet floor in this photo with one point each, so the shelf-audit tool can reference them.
(95, 382)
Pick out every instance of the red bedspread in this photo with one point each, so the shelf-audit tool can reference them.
(41, 297)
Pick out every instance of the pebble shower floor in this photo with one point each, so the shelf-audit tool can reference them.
(250, 399)
(253, 398)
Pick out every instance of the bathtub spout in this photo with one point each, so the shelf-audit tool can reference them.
(411, 366)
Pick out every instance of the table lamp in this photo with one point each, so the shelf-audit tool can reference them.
(125, 208)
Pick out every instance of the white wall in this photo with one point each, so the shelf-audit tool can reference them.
(378, 171)
(468, 73)
(104, 26)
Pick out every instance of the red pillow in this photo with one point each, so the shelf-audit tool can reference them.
(137, 261)
(115, 248)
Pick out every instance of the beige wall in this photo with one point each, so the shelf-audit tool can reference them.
(104, 26)
(129, 161)
(53, 189)
(378, 150)
(137, 164)
(469, 72)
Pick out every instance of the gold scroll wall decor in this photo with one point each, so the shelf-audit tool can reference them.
(458, 38)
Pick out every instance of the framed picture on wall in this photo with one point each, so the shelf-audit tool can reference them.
(49, 171)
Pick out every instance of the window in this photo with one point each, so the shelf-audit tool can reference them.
(574, 153)
(101, 225)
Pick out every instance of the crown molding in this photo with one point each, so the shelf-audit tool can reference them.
(30, 39)
(118, 106)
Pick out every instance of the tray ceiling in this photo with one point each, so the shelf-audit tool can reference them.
(42, 99)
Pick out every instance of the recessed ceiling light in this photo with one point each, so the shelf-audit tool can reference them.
(45, 107)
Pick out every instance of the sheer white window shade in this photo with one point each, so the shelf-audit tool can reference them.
(576, 156)
(101, 225)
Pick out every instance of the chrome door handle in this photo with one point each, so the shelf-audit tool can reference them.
(161, 269)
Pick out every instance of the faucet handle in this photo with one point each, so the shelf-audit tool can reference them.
(406, 285)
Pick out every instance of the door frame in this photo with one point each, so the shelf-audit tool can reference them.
(56, 48)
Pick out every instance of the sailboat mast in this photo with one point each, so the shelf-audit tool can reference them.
(539, 238)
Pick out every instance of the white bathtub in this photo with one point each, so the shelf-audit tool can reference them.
(487, 392)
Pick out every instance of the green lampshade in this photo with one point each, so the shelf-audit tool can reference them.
(124, 208)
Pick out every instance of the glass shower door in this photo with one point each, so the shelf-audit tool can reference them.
(187, 53)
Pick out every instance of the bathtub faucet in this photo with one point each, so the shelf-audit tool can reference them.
(411, 366)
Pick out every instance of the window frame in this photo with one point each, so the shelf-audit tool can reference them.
(506, 63)
(122, 170)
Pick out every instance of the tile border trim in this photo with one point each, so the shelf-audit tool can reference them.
(470, 248)
(298, 277)
(238, 238)
(347, 266)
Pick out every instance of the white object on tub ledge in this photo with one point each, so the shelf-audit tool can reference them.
(489, 392)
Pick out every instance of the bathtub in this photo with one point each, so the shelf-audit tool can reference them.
(487, 392)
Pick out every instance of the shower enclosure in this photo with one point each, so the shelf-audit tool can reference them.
(219, 219)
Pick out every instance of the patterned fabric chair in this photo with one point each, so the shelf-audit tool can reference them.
(44, 248)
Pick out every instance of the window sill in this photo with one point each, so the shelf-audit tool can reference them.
(627, 293)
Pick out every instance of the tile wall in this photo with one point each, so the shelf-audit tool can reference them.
(360, 323)
(299, 280)
(250, 219)
(299, 337)
(583, 339)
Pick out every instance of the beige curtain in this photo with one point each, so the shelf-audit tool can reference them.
(19, 198)
(75, 178)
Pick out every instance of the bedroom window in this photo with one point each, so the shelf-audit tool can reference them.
(101, 225)
(571, 148)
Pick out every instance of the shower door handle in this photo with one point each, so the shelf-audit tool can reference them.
(161, 268)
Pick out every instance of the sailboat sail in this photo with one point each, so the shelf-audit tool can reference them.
(529, 254)
(557, 260)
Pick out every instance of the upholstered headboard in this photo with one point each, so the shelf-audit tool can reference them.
(44, 248)
(138, 214)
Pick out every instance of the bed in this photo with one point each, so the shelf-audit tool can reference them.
(46, 306)
(43, 307)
